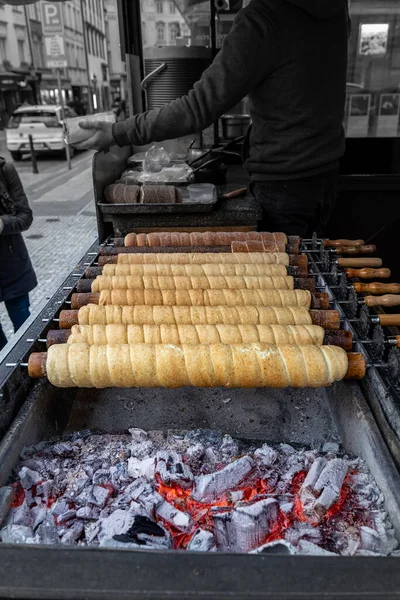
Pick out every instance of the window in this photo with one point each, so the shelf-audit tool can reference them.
(21, 50)
(159, 7)
(160, 27)
(172, 8)
(3, 49)
(173, 31)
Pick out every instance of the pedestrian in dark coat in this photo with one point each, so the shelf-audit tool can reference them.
(17, 277)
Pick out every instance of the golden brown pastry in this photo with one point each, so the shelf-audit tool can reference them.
(206, 238)
(206, 297)
(190, 270)
(183, 282)
(99, 335)
(264, 258)
(172, 366)
(92, 314)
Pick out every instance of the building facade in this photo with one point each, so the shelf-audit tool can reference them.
(117, 67)
(162, 23)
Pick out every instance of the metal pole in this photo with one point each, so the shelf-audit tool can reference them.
(33, 155)
(33, 62)
(213, 36)
(67, 149)
(85, 46)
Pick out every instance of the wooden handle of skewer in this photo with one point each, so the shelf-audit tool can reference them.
(387, 300)
(68, 318)
(58, 336)
(298, 260)
(92, 272)
(342, 338)
(368, 273)
(84, 286)
(357, 366)
(397, 338)
(37, 365)
(360, 262)
(320, 300)
(353, 250)
(389, 320)
(327, 319)
(107, 260)
(333, 243)
(377, 288)
(79, 300)
(293, 244)
(305, 283)
(234, 193)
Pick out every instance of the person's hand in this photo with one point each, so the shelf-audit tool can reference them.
(101, 138)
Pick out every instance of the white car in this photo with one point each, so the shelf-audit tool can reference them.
(43, 122)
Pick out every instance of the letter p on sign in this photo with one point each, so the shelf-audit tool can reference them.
(52, 21)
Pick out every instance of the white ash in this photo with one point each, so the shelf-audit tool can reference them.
(147, 490)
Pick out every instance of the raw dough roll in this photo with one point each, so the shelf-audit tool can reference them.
(167, 365)
(206, 297)
(99, 335)
(256, 270)
(263, 258)
(206, 238)
(183, 282)
(92, 314)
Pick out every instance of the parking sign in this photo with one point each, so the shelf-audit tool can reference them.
(52, 18)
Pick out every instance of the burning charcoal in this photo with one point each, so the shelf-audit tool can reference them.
(173, 516)
(347, 539)
(45, 489)
(7, 495)
(389, 543)
(306, 547)
(331, 448)
(213, 486)
(17, 534)
(20, 515)
(332, 476)
(172, 470)
(266, 455)
(206, 437)
(141, 450)
(276, 547)
(302, 531)
(67, 516)
(245, 527)
(234, 497)
(286, 449)
(39, 514)
(100, 495)
(211, 457)
(194, 455)
(117, 522)
(313, 474)
(47, 531)
(59, 507)
(229, 448)
(138, 435)
(85, 497)
(202, 541)
(144, 493)
(286, 507)
(28, 478)
(63, 450)
(88, 512)
(370, 539)
(119, 474)
(101, 476)
(71, 536)
(142, 532)
(141, 468)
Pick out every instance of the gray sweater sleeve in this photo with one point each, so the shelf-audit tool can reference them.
(247, 55)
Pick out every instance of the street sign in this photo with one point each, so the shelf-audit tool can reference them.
(55, 52)
(52, 18)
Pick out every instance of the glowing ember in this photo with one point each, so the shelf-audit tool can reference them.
(199, 491)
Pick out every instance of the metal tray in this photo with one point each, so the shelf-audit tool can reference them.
(151, 209)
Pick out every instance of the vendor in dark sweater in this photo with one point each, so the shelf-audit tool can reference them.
(289, 57)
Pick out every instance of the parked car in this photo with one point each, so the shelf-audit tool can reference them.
(44, 123)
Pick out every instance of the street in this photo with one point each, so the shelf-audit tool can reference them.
(64, 223)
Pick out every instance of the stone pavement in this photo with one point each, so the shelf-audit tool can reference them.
(64, 223)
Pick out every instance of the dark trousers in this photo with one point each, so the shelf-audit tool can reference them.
(18, 311)
(297, 207)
